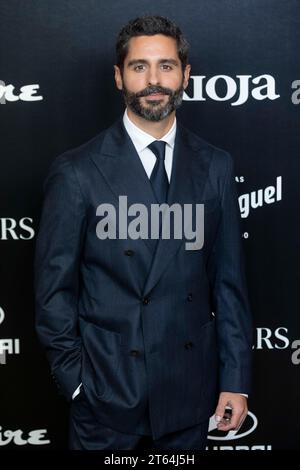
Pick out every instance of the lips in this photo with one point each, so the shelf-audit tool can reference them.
(155, 96)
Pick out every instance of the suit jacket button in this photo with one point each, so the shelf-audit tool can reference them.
(134, 352)
(146, 300)
(190, 297)
(129, 252)
(188, 345)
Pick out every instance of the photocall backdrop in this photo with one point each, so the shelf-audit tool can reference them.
(57, 91)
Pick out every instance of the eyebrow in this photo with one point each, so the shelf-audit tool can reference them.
(143, 61)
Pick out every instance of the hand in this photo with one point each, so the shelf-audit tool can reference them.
(239, 410)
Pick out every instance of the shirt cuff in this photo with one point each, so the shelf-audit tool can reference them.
(77, 391)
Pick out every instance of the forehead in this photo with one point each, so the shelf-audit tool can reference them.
(155, 47)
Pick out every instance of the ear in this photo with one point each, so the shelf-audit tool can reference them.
(186, 75)
(118, 77)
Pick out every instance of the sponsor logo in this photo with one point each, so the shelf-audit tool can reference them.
(248, 426)
(2, 315)
(12, 229)
(295, 358)
(241, 447)
(26, 93)
(258, 198)
(237, 90)
(19, 438)
(295, 98)
(266, 338)
(7, 346)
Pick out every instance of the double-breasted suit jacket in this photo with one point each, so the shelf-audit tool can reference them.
(135, 320)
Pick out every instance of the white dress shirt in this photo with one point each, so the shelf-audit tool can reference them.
(141, 140)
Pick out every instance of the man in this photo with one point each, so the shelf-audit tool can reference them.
(144, 336)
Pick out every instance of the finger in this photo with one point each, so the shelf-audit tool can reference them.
(220, 411)
(232, 422)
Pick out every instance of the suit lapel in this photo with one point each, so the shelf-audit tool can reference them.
(123, 171)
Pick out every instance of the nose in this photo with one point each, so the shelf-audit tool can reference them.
(153, 76)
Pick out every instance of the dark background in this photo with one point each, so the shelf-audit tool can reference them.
(67, 47)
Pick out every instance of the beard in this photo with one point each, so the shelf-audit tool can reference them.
(154, 110)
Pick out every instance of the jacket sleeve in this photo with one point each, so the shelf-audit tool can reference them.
(230, 300)
(56, 273)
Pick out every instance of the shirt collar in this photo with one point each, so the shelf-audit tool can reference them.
(142, 139)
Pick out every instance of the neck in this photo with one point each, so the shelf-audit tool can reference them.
(156, 129)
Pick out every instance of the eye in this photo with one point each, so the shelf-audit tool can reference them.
(139, 68)
(166, 67)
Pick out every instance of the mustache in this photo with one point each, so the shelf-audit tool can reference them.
(154, 89)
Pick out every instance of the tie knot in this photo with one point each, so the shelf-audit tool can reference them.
(158, 148)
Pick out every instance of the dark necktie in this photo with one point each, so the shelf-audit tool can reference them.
(159, 178)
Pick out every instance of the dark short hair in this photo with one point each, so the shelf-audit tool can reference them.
(148, 26)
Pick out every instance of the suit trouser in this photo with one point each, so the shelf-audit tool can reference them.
(86, 433)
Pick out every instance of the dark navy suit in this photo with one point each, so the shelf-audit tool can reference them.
(153, 332)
